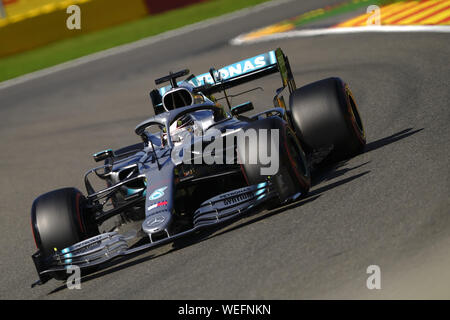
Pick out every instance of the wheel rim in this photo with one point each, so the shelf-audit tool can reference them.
(298, 157)
(355, 117)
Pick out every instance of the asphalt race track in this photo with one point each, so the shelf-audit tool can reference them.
(387, 207)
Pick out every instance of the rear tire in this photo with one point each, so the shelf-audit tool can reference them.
(324, 114)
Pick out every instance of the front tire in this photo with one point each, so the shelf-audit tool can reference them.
(293, 175)
(59, 220)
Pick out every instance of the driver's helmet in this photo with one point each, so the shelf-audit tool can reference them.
(180, 129)
(190, 125)
(185, 127)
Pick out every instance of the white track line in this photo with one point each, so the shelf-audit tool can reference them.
(331, 31)
(141, 43)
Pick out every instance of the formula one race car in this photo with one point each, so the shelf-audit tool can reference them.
(199, 164)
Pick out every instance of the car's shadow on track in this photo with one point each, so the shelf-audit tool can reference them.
(371, 146)
(323, 174)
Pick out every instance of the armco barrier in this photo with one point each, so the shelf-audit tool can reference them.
(46, 24)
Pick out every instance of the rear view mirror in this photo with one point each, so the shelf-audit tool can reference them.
(241, 108)
(102, 155)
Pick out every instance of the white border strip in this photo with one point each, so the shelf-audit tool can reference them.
(142, 43)
(240, 40)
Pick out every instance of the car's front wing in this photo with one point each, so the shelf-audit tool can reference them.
(107, 246)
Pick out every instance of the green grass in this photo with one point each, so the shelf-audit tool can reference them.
(69, 49)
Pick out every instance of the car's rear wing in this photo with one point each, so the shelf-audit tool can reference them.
(244, 71)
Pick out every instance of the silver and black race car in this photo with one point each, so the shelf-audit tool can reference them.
(199, 164)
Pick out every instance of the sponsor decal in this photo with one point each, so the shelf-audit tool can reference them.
(156, 205)
(231, 71)
(236, 69)
(85, 245)
(232, 193)
(158, 193)
(155, 221)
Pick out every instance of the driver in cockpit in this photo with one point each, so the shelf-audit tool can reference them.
(189, 124)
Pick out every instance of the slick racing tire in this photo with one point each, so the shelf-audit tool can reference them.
(324, 114)
(58, 220)
(293, 175)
